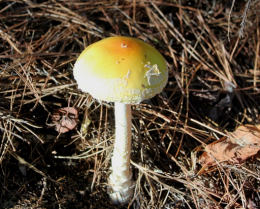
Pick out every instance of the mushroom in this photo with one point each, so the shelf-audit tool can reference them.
(125, 71)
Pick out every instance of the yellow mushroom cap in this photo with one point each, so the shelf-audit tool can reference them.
(121, 69)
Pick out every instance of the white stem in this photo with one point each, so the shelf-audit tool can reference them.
(120, 179)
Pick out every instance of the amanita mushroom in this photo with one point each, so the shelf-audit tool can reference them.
(126, 71)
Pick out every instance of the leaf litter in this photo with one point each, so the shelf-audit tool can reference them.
(240, 145)
(65, 119)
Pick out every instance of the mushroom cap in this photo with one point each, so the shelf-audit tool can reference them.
(121, 69)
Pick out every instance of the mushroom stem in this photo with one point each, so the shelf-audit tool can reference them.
(120, 179)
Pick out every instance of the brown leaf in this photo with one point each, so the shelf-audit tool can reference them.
(243, 143)
(65, 119)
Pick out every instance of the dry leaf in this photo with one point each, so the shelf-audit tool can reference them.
(243, 143)
(65, 119)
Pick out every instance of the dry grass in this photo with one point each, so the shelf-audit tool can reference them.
(212, 49)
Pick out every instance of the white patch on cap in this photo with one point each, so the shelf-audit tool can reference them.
(153, 71)
(123, 45)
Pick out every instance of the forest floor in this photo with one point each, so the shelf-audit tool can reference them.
(212, 51)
